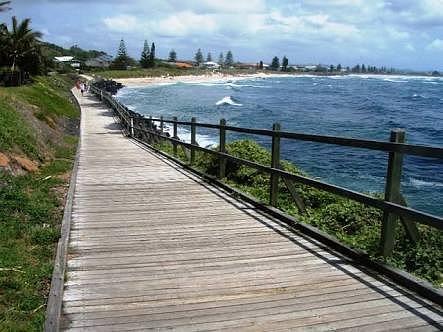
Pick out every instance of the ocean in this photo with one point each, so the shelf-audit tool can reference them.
(359, 106)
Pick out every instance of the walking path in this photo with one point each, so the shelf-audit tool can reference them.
(153, 247)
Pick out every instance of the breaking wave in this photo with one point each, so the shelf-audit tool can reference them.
(228, 100)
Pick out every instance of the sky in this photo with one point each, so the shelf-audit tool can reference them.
(406, 34)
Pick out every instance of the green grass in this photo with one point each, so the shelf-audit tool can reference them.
(50, 95)
(352, 223)
(15, 134)
(30, 216)
(163, 71)
(31, 205)
(48, 100)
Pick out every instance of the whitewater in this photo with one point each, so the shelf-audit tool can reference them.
(361, 106)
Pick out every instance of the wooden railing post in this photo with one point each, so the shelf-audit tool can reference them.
(150, 128)
(193, 139)
(161, 129)
(174, 136)
(161, 124)
(222, 148)
(132, 126)
(275, 163)
(392, 194)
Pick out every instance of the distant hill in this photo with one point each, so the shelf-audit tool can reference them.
(52, 50)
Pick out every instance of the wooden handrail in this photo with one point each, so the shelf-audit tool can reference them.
(391, 204)
(410, 149)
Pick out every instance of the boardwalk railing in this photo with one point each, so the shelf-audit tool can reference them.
(393, 204)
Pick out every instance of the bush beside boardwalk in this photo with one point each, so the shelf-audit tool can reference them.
(38, 127)
(351, 222)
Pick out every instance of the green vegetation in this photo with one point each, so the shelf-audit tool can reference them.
(199, 57)
(122, 61)
(15, 134)
(221, 59)
(29, 230)
(145, 60)
(229, 60)
(163, 69)
(352, 223)
(20, 47)
(31, 204)
(172, 56)
(275, 65)
(46, 95)
(285, 63)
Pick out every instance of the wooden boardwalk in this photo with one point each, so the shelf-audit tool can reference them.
(153, 247)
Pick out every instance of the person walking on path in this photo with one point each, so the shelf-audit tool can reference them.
(82, 88)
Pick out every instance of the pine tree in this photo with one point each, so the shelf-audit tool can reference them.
(275, 65)
(331, 68)
(221, 59)
(209, 57)
(339, 68)
(229, 61)
(199, 57)
(172, 56)
(152, 56)
(144, 61)
(285, 63)
(260, 65)
(122, 60)
(363, 69)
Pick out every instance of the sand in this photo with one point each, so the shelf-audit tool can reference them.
(217, 77)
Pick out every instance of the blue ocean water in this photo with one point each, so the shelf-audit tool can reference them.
(352, 106)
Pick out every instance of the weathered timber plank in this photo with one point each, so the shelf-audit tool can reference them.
(154, 247)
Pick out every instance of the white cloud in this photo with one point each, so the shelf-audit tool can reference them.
(121, 23)
(397, 34)
(435, 45)
(409, 47)
(185, 23)
(219, 6)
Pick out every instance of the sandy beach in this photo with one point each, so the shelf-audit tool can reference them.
(216, 77)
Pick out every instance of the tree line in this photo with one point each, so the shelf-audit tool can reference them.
(223, 60)
(20, 46)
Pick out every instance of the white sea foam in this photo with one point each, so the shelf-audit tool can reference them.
(184, 134)
(394, 81)
(421, 183)
(227, 101)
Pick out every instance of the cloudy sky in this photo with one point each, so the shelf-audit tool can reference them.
(400, 33)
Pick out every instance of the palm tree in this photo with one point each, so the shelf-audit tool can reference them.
(3, 6)
(20, 41)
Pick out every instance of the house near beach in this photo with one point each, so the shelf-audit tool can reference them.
(211, 65)
(67, 60)
(103, 61)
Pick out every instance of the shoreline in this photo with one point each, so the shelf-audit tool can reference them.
(207, 78)
(219, 77)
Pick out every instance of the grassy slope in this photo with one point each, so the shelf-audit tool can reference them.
(161, 71)
(352, 223)
(31, 205)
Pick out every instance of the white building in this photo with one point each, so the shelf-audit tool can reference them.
(67, 60)
(211, 65)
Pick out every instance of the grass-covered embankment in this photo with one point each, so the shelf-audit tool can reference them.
(166, 71)
(38, 125)
(352, 223)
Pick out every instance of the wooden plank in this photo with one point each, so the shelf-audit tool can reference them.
(153, 247)
(55, 297)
